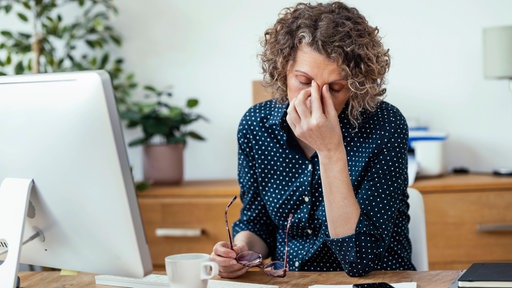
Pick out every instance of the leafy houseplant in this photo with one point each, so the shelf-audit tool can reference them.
(161, 122)
(46, 42)
(164, 133)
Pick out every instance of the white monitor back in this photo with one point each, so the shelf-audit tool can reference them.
(63, 131)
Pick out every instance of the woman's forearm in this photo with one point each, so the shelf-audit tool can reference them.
(341, 207)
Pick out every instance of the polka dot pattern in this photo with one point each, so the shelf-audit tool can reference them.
(277, 179)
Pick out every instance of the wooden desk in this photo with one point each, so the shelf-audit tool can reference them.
(430, 279)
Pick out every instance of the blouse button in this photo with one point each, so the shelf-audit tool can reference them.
(309, 167)
(296, 263)
(306, 198)
(309, 231)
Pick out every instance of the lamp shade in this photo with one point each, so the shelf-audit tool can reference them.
(498, 52)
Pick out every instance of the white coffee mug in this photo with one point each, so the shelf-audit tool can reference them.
(190, 270)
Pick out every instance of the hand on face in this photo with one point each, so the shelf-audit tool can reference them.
(314, 120)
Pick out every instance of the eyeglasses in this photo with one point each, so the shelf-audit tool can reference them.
(254, 259)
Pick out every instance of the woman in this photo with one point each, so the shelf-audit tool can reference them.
(327, 149)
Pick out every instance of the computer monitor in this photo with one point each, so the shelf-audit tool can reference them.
(62, 130)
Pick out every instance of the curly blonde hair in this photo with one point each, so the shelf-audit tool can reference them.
(341, 34)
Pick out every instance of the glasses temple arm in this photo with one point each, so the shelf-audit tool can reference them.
(286, 243)
(227, 223)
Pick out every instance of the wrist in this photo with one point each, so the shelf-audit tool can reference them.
(333, 155)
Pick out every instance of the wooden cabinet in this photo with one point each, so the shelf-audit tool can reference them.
(186, 218)
(468, 218)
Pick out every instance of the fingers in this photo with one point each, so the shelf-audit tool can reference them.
(232, 271)
(300, 107)
(307, 105)
(223, 255)
(225, 258)
(317, 96)
(327, 102)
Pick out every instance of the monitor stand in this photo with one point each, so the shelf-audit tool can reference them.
(14, 199)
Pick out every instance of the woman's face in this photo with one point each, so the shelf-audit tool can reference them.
(309, 66)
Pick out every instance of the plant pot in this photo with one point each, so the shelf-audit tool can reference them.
(163, 164)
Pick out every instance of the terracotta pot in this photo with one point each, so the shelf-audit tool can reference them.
(163, 164)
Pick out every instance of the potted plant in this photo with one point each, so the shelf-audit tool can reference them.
(164, 133)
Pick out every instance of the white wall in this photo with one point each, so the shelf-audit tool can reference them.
(207, 49)
(436, 74)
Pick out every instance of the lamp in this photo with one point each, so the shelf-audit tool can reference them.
(498, 53)
(498, 61)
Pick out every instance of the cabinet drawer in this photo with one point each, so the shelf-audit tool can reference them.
(456, 227)
(185, 224)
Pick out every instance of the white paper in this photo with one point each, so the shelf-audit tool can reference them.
(229, 284)
(396, 285)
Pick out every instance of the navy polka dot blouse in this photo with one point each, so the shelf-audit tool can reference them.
(276, 179)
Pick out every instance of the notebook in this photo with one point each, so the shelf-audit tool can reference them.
(487, 275)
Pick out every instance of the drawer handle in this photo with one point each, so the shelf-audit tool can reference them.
(494, 228)
(178, 232)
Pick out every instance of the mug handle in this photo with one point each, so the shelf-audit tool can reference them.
(209, 269)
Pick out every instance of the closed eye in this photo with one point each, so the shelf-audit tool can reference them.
(303, 80)
(337, 87)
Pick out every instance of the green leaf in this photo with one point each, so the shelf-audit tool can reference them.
(150, 88)
(6, 34)
(116, 39)
(93, 62)
(141, 186)
(19, 68)
(104, 61)
(90, 43)
(27, 6)
(25, 36)
(8, 8)
(22, 17)
(131, 115)
(195, 136)
(193, 102)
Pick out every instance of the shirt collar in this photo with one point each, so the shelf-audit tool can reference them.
(278, 113)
